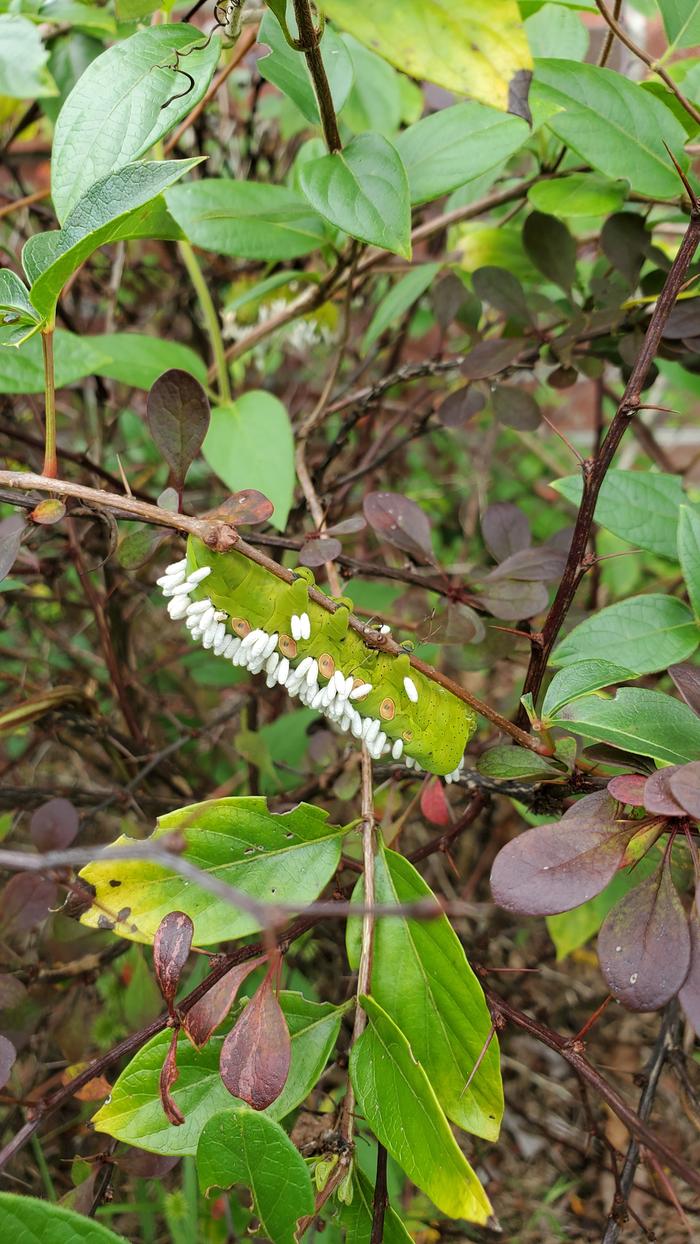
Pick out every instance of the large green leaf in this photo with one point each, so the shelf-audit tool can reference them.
(244, 1146)
(115, 112)
(455, 145)
(554, 30)
(374, 102)
(580, 678)
(398, 1102)
(286, 68)
(639, 506)
(286, 857)
(421, 977)
(689, 554)
(638, 720)
(472, 47)
(614, 124)
(22, 370)
(122, 205)
(642, 633)
(134, 1112)
(578, 194)
(137, 360)
(681, 20)
(23, 57)
(250, 445)
(363, 190)
(246, 219)
(26, 1220)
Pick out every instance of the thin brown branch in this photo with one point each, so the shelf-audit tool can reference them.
(620, 33)
(308, 43)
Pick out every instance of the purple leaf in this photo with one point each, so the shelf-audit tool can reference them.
(171, 947)
(169, 1076)
(689, 996)
(511, 599)
(256, 1054)
(684, 784)
(501, 290)
(12, 992)
(460, 406)
(551, 248)
(516, 408)
(400, 522)
(54, 825)
(684, 320)
(25, 901)
(505, 530)
(144, 1165)
(246, 508)
(552, 868)
(644, 944)
(687, 680)
(628, 788)
(11, 531)
(318, 552)
(490, 357)
(657, 794)
(348, 526)
(447, 297)
(205, 1016)
(531, 565)
(177, 410)
(8, 1055)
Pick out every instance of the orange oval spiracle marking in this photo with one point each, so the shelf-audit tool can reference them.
(387, 709)
(240, 626)
(287, 646)
(326, 665)
(407, 736)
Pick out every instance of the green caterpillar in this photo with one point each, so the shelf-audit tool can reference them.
(253, 618)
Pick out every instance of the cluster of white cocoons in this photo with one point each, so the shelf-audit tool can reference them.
(258, 653)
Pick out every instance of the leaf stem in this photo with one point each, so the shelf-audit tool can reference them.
(309, 45)
(50, 459)
(211, 319)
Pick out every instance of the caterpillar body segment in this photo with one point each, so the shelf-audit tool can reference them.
(250, 616)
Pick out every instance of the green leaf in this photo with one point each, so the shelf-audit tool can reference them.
(23, 57)
(356, 1218)
(471, 47)
(22, 371)
(244, 1147)
(134, 1113)
(574, 928)
(689, 554)
(638, 720)
(363, 190)
(115, 112)
(642, 633)
(401, 296)
(14, 296)
(285, 858)
(286, 68)
(455, 145)
(612, 123)
(398, 1102)
(421, 977)
(681, 20)
(246, 219)
(555, 30)
(117, 207)
(516, 762)
(580, 678)
(639, 506)
(29, 1221)
(137, 360)
(578, 194)
(374, 103)
(250, 445)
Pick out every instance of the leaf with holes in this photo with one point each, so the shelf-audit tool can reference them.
(177, 410)
(363, 190)
(580, 679)
(644, 944)
(400, 522)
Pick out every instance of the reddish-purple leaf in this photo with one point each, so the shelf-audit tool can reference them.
(12, 992)
(501, 290)
(516, 408)
(144, 1165)
(687, 679)
(205, 1016)
(460, 406)
(628, 788)
(401, 522)
(512, 599)
(644, 944)
(318, 552)
(462, 626)
(551, 248)
(505, 530)
(684, 320)
(553, 868)
(177, 410)
(433, 803)
(54, 825)
(447, 297)
(562, 377)
(657, 794)
(255, 1055)
(689, 996)
(8, 1055)
(531, 565)
(490, 357)
(246, 508)
(684, 782)
(169, 1075)
(171, 947)
(11, 530)
(25, 901)
(348, 527)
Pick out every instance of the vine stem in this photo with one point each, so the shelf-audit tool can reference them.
(223, 537)
(211, 319)
(595, 469)
(309, 45)
(50, 459)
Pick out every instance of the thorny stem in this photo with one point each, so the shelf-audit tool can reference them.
(50, 459)
(222, 535)
(211, 319)
(595, 470)
(309, 44)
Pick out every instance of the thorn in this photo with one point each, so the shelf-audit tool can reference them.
(694, 200)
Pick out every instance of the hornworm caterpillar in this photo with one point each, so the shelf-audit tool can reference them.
(247, 615)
